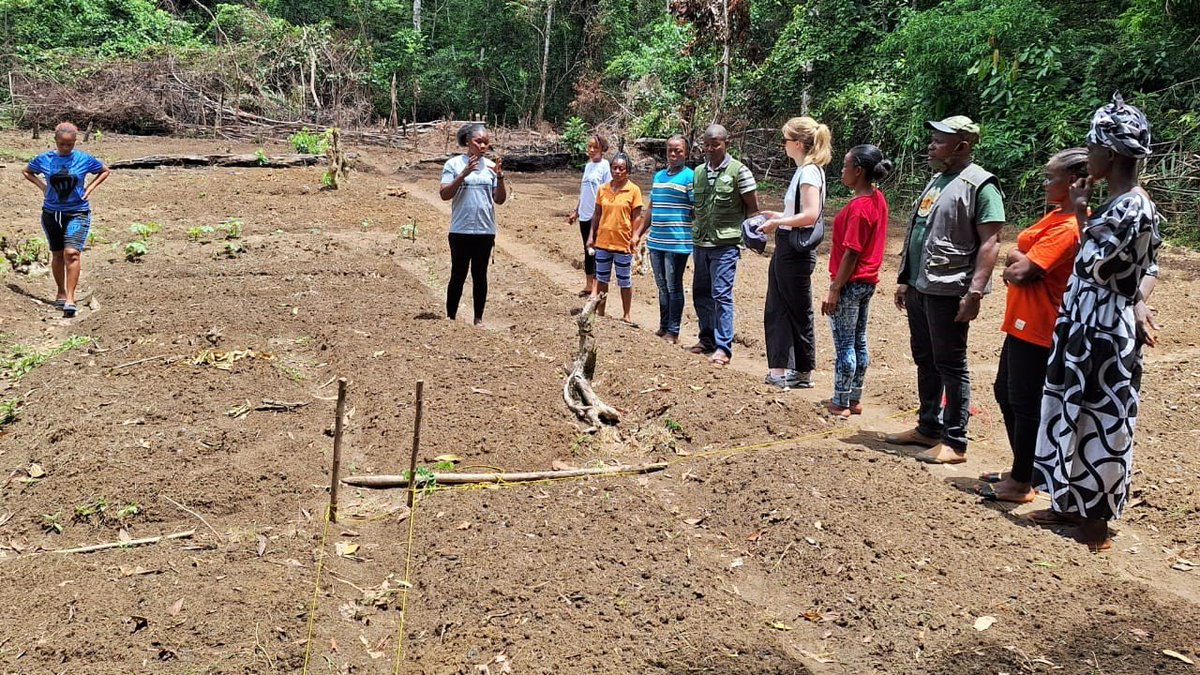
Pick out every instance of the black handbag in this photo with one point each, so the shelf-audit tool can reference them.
(805, 239)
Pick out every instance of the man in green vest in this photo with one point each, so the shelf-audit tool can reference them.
(726, 194)
(945, 270)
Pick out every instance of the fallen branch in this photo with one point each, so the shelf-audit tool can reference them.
(577, 387)
(393, 481)
(246, 161)
(200, 517)
(125, 544)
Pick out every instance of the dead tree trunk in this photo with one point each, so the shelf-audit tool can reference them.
(577, 387)
(541, 104)
(338, 169)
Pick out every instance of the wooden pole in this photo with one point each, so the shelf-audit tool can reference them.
(335, 474)
(412, 464)
(380, 482)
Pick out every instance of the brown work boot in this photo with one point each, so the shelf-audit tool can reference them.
(942, 454)
(911, 437)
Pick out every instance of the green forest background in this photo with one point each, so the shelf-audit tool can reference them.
(1031, 71)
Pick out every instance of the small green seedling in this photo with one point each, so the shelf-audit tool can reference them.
(128, 511)
(261, 157)
(672, 425)
(10, 410)
(232, 249)
(91, 512)
(231, 228)
(134, 250)
(144, 231)
(52, 523)
(200, 232)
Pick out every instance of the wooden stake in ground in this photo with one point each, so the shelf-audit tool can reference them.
(336, 471)
(412, 464)
(338, 168)
(577, 387)
(391, 481)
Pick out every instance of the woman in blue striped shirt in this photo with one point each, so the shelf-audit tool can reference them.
(669, 215)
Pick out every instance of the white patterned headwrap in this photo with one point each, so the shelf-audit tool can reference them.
(1121, 128)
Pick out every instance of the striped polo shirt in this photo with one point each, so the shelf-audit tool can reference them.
(671, 212)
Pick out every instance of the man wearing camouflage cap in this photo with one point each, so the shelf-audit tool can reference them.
(951, 246)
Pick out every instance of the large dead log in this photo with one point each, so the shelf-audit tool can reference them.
(399, 481)
(246, 161)
(577, 387)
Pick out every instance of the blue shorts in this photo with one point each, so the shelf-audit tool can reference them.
(66, 229)
(606, 260)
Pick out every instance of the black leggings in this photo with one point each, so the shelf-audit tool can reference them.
(589, 259)
(788, 312)
(1020, 381)
(471, 251)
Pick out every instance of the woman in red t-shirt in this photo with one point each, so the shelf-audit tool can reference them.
(859, 236)
(1036, 274)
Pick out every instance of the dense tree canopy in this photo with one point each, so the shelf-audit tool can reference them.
(1030, 71)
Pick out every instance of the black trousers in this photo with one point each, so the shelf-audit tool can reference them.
(589, 259)
(788, 314)
(1020, 381)
(473, 252)
(939, 348)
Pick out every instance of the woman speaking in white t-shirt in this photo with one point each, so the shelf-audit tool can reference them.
(473, 184)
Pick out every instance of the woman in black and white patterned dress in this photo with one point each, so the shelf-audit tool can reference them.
(1089, 408)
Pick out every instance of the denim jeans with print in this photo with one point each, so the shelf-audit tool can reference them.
(849, 325)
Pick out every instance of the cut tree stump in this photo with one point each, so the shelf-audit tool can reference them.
(244, 161)
(393, 481)
(577, 387)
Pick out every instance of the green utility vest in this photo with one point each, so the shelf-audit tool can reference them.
(719, 209)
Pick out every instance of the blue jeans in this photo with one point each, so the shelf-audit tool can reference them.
(849, 325)
(668, 274)
(712, 295)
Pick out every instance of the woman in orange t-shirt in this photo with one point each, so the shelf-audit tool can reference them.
(1036, 274)
(615, 228)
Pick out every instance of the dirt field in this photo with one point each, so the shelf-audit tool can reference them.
(778, 541)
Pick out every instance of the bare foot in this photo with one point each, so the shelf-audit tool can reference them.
(1050, 517)
(1008, 490)
(1094, 533)
(942, 454)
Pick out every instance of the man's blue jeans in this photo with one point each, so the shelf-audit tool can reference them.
(712, 295)
(668, 274)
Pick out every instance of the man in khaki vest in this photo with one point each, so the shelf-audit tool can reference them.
(725, 194)
(951, 247)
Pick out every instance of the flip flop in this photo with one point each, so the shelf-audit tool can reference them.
(58, 304)
(988, 493)
(1051, 517)
(68, 310)
(991, 476)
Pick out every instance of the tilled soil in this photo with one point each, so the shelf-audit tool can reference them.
(777, 541)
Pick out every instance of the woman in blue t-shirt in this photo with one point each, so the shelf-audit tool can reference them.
(473, 184)
(66, 212)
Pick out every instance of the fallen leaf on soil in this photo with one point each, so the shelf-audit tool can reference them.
(485, 392)
(1138, 632)
(819, 658)
(262, 546)
(464, 525)
(135, 571)
(755, 536)
(1176, 655)
(224, 360)
(813, 615)
(779, 625)
(139, 622)
(448, 458)
(36, 471)
(176, 608)
(333, 645)
(737, 562)
(346, 549)
(984, 622)
(1183, 566)
(559, 465)
(694, 521)
(123, 535)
